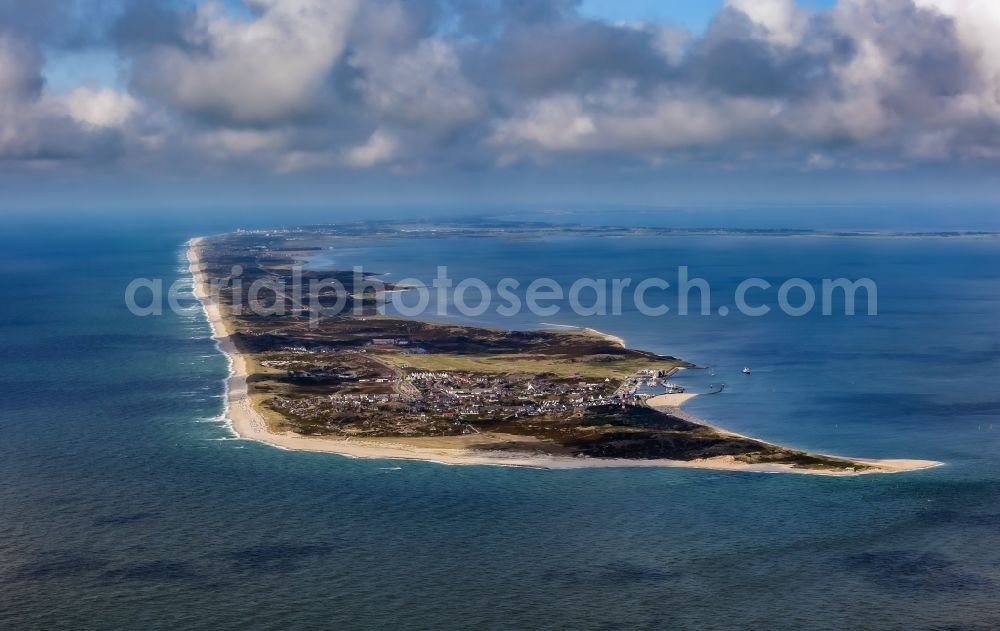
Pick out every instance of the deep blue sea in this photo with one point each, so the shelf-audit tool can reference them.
(126, 504)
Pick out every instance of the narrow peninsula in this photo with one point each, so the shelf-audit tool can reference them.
(367, 385)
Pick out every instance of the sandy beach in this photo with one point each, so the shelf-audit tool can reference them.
(249, 424)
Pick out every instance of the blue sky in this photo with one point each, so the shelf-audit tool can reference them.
(691, 13)
(64, 70)
(311, 102)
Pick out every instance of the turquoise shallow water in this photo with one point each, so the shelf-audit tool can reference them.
(124, 503)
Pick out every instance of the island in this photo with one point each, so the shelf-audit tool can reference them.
(360, 383)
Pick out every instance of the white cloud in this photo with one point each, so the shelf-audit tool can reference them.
(380, 148)
(288, 85)
(558, 123)
(900, 89)
(977, 23)
(422, 84)
(40, 128)
(621, 118)
(20, 71)
(33, 127)
(96, 106)
(251, 71)
(781, 21)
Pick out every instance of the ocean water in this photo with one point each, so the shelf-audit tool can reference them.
(126, 503)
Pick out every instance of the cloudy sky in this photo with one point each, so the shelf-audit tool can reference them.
(311, 102)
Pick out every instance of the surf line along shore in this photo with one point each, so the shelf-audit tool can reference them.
(247, 422)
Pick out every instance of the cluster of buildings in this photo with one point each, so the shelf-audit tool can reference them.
(498, 396)
(427, 400)
(644, 384)
(390, 341)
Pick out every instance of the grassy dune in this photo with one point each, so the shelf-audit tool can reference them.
(593, 367)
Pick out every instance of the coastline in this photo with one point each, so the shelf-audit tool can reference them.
(249, 424)
(614, 339)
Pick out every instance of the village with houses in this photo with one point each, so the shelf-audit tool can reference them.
(385, 395)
